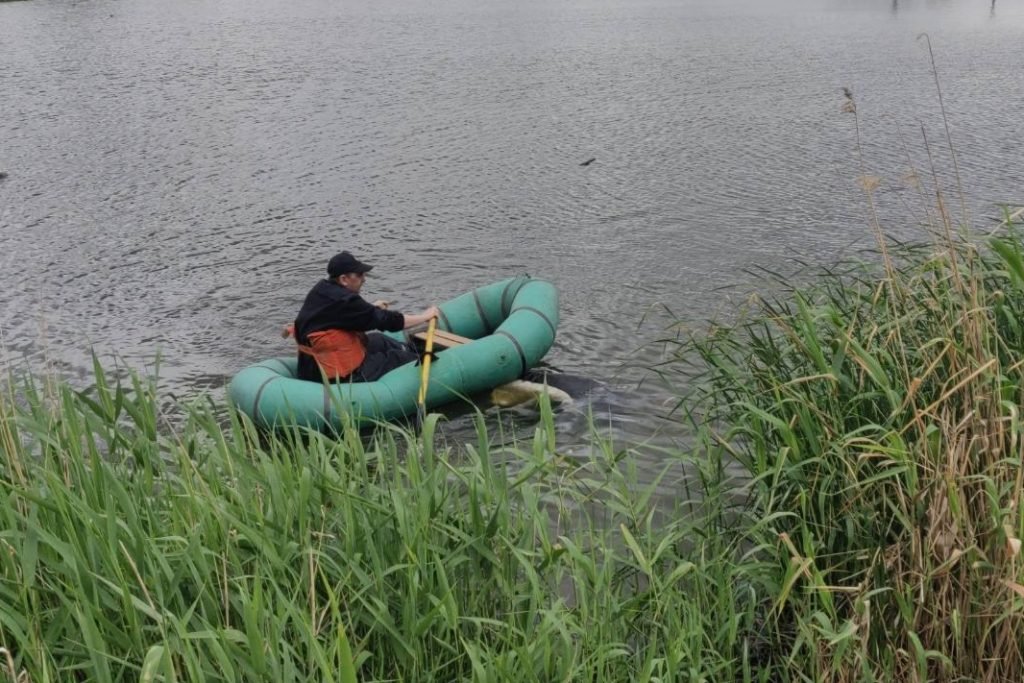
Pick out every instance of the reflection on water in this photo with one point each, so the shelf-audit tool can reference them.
(178, 173)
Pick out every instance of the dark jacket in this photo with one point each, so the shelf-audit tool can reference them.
(329, 306)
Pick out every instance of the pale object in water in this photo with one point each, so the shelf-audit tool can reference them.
(521, 391)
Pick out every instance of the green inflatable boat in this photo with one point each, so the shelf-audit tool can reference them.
(511, 325)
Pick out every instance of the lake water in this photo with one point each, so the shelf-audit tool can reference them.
(179, 172)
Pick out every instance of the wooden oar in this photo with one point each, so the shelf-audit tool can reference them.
(428, 351)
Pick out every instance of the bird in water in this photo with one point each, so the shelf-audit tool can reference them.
(849, 106)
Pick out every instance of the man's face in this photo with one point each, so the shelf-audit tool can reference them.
(353, 281)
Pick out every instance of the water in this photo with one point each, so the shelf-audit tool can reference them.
(179, 172)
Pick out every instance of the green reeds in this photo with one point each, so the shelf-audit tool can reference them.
(851, 512)
(876, 423)
(209, 552)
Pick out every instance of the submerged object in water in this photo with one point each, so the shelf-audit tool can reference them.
(510, 325)
(520, 391)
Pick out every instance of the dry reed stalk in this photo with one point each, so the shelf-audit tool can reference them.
(868, 184)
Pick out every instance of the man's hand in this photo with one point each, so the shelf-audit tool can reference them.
(426, 315)
(381, 303)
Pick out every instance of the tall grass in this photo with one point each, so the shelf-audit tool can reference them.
(132, 552)
(851, 513)
(876, 420)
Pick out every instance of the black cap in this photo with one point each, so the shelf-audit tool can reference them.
(345, 262)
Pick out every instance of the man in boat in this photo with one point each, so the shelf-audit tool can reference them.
(332, 325)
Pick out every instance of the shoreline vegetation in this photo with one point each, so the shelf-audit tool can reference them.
(851, 513)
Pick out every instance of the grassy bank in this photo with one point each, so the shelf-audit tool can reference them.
(211, 554)
(855, 484)
(878, 418)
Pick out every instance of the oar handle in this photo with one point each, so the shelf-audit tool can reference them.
(421, 402)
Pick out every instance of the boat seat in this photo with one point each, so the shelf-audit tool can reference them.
(443, 339)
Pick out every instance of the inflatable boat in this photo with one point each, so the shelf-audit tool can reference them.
(497, 332)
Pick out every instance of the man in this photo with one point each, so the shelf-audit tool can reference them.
(332, 324)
